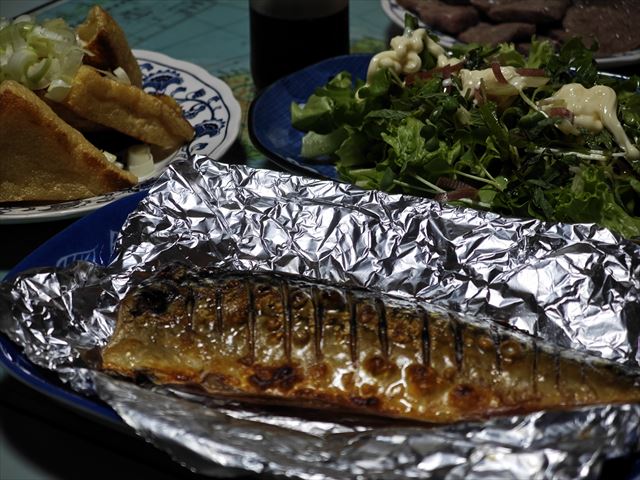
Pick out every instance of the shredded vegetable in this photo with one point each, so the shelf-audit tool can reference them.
(40, 56)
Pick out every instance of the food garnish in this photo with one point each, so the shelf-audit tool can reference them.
(43, 55)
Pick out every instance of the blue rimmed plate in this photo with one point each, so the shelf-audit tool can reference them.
(91, 239)
(208, 104)
(270, 113)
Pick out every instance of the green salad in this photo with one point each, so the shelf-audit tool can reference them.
(543, 135)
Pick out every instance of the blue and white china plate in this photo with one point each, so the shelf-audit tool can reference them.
(208, 104)
(396, 13)
(270, 113)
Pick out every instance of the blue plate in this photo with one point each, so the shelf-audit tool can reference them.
(270, 113)
(91, 239)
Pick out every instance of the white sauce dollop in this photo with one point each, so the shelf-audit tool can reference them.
(593, 109)
(471, 80)
(404, 56)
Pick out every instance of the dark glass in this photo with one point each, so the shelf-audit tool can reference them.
(281, 46)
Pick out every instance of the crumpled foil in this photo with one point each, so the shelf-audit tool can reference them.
(575, 285)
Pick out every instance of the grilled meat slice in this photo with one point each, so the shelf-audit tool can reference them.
(536, 11)
(613, 23)
(494, 34)
(283, 339)
(442, 16)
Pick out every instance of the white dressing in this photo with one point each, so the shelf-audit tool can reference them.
(472, 79)
(404, 56)
(435, 49)
(593, 109)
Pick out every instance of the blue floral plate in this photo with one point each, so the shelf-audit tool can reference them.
(208, 104)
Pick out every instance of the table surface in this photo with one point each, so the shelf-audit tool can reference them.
(40, 439)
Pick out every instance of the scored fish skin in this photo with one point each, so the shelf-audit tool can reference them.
(283, 339)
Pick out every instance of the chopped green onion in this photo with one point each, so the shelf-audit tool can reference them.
(40, 56)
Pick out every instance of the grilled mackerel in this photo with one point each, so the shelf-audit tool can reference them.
(285, 340)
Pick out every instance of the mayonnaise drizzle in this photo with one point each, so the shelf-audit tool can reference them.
(404, 56)
(592, 109)
(471, 79)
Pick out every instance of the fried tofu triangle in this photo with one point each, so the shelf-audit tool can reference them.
(127, 109)
(44, 159)
(108, 44)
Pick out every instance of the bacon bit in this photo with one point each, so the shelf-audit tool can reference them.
(497, 72)
(451, 183)
(412, 77)
(477, 95)
(441, 197)
(560, 112)
(531, 72)
(446, 72)
(466, 192)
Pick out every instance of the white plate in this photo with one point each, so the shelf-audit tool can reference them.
(208, 104)
(396, 13)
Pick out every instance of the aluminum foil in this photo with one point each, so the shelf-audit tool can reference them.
(575, 285)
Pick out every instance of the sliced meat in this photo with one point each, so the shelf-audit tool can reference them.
(559, 35)
(613, 23)
(494, 34)
(409, 4)
(536, 11)
(441, 16)
(483, 5)
(448, 18)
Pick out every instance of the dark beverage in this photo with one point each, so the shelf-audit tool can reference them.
(285, 39)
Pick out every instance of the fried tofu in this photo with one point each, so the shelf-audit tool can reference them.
(76, 121)
(127, 109)
(42, 158)
(108, 45)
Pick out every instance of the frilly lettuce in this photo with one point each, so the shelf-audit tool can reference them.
(419, 137)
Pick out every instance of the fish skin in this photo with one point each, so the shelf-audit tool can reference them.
(285, 340)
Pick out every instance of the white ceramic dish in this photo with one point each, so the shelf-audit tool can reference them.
(208, 104)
